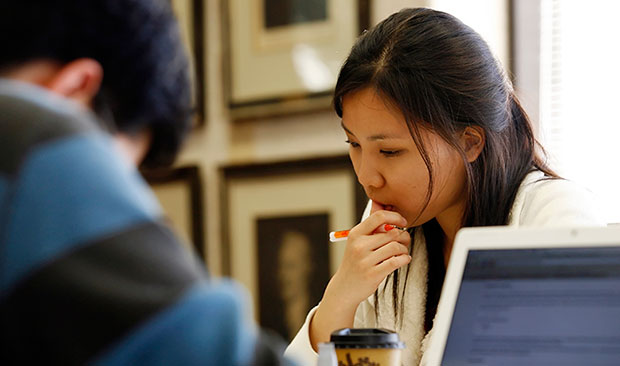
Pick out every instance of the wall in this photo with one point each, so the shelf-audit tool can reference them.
(222, 141)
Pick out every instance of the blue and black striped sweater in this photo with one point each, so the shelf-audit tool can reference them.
(88, 272)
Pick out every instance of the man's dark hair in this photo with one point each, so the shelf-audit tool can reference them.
(146, 73)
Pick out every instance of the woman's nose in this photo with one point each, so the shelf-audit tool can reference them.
(369, 176)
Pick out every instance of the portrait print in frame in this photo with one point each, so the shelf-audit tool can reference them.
(312, 196)
(293, 269)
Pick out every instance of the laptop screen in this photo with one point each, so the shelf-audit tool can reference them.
(537, 307)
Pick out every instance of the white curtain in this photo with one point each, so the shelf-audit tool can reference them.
(580, 94)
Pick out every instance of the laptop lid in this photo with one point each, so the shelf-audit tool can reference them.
(530, 297)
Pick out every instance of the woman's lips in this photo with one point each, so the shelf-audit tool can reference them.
(377, 206)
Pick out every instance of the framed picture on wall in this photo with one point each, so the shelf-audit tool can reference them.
(283, 56)
(180, 194)
(190, 15)
(293, 268)
(276, 219)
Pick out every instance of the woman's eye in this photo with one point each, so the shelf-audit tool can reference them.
(390, 152)
(352, 143)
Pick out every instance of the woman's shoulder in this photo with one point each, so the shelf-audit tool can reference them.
(538, 187)
(547, 201)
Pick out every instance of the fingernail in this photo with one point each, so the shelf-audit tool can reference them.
(388, 227)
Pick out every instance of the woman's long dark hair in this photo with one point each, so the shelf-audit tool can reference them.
(442, 76)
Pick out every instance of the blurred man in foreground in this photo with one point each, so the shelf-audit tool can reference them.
(88, 272)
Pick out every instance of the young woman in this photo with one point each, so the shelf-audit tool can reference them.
(439, 141)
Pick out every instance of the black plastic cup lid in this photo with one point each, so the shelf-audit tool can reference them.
(365, 338)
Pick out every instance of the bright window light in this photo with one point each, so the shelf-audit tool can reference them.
(580, 96)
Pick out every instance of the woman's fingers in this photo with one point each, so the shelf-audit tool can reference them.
(391, 264)
(376, 221)
(380, 240)
(372, 252)
(387, 251)
(364, 245)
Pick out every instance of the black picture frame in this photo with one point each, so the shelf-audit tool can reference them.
(181, 186)
(190, 14)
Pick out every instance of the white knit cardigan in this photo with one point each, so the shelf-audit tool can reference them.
(538, 202)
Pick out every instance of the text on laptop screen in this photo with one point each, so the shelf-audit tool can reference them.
(537, 307)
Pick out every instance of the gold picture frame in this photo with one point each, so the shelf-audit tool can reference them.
(287, 201)
(287, 63)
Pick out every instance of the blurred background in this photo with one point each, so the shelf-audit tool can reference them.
(265, 167)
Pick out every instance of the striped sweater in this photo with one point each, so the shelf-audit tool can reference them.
(88, 272)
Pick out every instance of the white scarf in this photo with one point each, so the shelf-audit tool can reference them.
(411, 331)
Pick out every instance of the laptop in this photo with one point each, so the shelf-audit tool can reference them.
(530, 297)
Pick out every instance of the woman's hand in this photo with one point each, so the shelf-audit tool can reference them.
(370, 256)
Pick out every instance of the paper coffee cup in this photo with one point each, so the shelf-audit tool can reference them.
(367, 346)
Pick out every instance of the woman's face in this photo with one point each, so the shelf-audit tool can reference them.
(390, 167)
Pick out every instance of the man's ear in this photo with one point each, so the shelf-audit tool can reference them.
(472, 142)
(78, 80)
